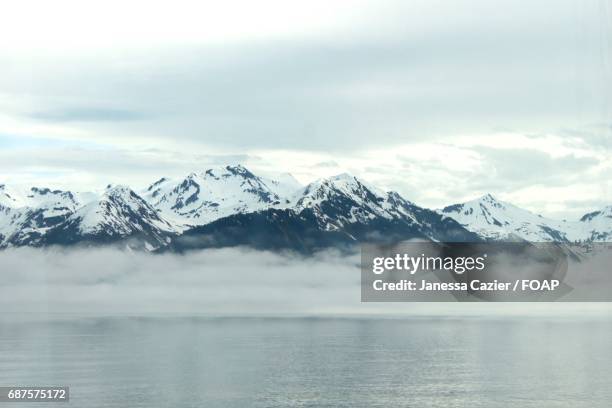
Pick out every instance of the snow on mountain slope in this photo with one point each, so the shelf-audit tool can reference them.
(284, 184)
(341, 199)
(118, 214)
(346, 203)
(25, 214)
(598, 225)
(11, 197)
(36, 197)
(203, 197)
(495, 219)
(121, 210)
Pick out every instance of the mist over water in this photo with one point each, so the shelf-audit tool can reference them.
(219, 282)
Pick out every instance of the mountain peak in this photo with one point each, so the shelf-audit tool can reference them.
(118, 190)
(224, 171)
(216, 192)
(344, 183)
(342, 199)
(345, 180)
(237, 169)
(343, 177)
(495, 219)
(488, 198)
(118, 212)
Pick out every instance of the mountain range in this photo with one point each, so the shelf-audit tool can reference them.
(231, 206)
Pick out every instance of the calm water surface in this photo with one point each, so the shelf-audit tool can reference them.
(301, 362)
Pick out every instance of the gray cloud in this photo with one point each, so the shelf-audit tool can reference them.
(326, 164)
(511, 169)
(381, 83)
(135, 167)
(598, 136)
(88, 115)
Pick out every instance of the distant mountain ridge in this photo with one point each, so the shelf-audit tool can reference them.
(231, 206)
(498, 220)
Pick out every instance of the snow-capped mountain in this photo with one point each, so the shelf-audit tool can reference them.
(117, 215)
(338, 212)
(340, 200)
(346, 203)
(229, 206)
(201, 198)
(498, 220)
(26, 214)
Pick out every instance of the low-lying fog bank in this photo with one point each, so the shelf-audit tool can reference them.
(222, 282)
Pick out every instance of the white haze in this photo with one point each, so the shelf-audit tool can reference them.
(222, 282)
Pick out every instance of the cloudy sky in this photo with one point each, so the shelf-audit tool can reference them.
(440, 100)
